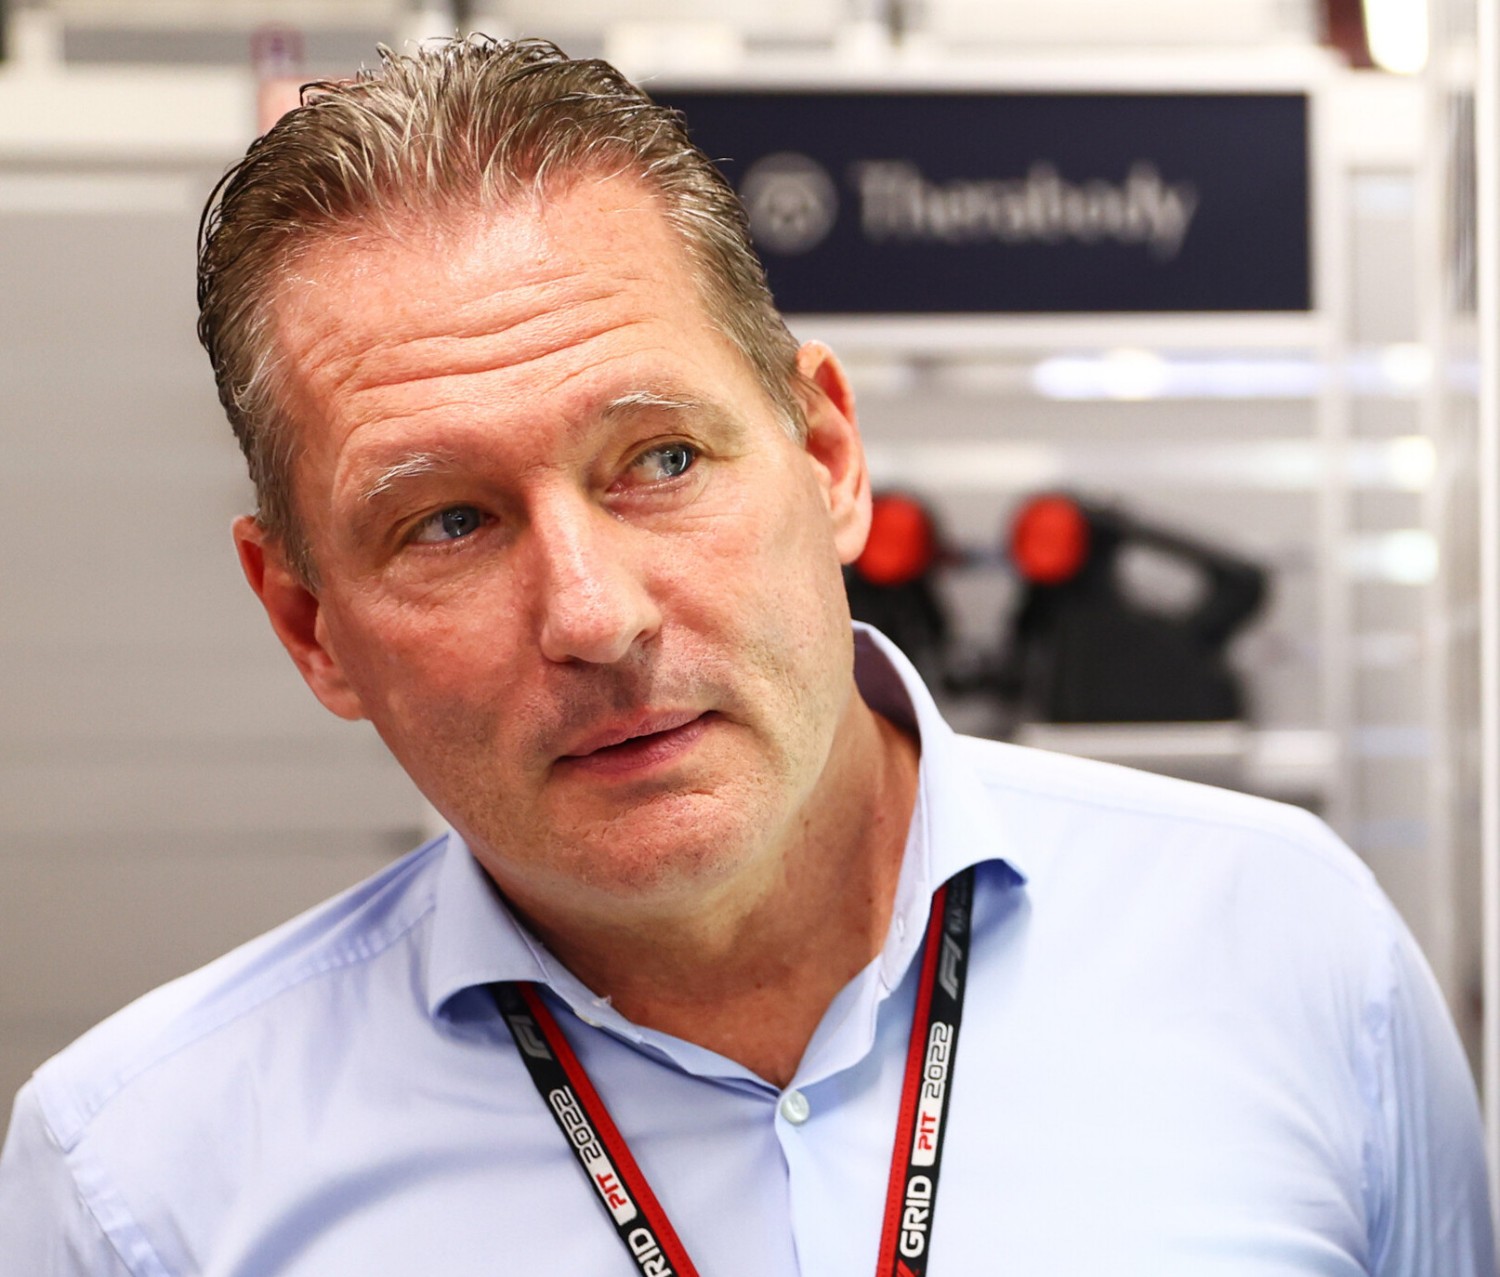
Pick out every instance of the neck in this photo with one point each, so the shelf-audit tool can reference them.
(749, 974)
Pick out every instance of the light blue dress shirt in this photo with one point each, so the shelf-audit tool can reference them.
(1197, 1043)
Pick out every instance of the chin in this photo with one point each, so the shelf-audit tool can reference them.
(687, 844)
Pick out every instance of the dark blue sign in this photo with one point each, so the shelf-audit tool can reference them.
(935, 202)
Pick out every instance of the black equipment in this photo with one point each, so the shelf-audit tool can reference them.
(1082, 649)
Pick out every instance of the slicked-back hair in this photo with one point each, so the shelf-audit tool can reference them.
(434, 137)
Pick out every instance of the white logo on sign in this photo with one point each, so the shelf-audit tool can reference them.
(790, 201)
(898, 202)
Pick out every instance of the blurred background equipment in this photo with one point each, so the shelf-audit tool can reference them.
(1115, 619)
(1087, 645)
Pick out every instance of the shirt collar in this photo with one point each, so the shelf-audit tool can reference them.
(954, 823)
(476, 940)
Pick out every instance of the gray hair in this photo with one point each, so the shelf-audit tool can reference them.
(455, 126)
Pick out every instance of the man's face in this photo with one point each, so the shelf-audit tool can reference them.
(571, 565)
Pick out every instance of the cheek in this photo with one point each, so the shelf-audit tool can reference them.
(776, 602)
(438, 674)
(784, 544)
(788, 589)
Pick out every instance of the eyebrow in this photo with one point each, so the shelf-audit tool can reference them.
(637, 400)
(420, 465)
(416, 466)
(627, 404)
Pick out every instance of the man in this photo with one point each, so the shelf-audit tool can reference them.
(731, 963)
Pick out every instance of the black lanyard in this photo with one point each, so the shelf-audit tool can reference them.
(911, 1196)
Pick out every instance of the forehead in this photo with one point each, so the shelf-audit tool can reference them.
(610, 228)
(540, 289)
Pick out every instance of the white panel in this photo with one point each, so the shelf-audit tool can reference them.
(787, 18)
(1091, 23)
(145, 694)
(1487, 251)
(228, 13)
(273, 787)
(133, 113)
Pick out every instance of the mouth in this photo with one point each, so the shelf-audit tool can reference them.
(640, 745)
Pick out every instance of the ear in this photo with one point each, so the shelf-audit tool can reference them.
(296, 616)
(834, 445)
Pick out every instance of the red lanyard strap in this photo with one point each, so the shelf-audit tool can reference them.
(596, 1142)
(911, 1197)
(638, 1218)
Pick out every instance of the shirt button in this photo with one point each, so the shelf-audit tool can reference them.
(795, 1108)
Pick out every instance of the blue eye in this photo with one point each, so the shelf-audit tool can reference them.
(667, 461)
(452, 524)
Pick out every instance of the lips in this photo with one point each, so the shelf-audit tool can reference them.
(638, 731)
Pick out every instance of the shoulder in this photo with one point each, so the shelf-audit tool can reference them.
(319, 952)
(1200, 934)
(1192, 899)
(1158, 840)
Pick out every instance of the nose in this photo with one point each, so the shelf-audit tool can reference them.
(594, 602)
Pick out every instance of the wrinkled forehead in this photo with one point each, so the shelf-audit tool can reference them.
(588, 226)
(544, 290)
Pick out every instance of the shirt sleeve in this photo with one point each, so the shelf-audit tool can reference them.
(1434, 1213)
(46, 1230)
